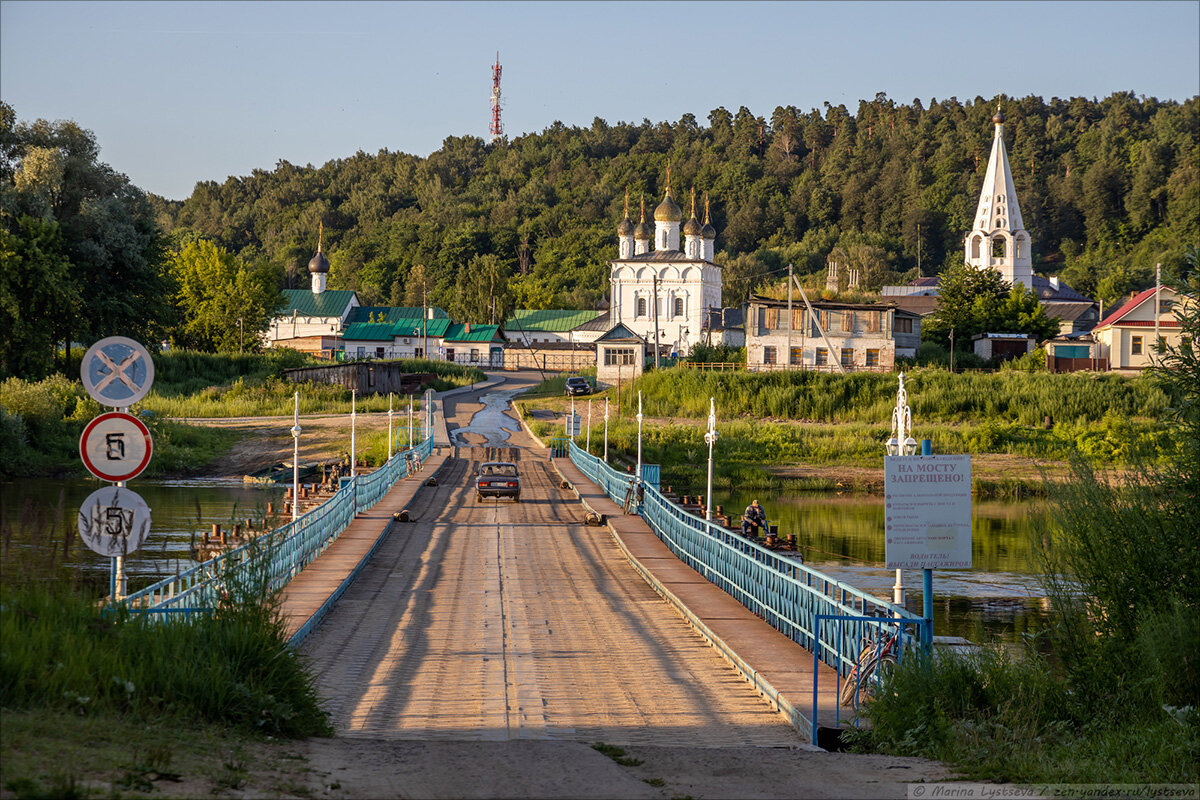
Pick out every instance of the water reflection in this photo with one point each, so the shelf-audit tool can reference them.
(1001, 597)
(41, 512)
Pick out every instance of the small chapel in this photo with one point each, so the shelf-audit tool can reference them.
(663, 293)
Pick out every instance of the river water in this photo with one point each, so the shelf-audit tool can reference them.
(38, 522)
(999, 598)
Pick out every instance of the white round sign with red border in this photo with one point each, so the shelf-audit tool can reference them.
(116, 446)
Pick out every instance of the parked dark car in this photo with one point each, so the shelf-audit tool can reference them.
(577, 386)
(498, 479)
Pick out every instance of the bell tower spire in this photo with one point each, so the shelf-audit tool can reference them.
(998, 240)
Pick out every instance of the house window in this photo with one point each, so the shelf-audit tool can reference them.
(449, 353)
(418, 352)
(822, 357)
(768, 355)
(772, 318)
(679, 306)
(872, 358)
(797, 356)
(1135, 346)
(362, 352)
(903, 325)
(847, 321)
(641, 306)
(474, 355)
(1165, 306)
(847, 356)
(614, 356)
(379, 352)
(1162, 344)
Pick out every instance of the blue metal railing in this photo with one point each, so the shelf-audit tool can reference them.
(793, 598)
(273, 559)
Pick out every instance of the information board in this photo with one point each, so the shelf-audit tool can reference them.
(927, 502)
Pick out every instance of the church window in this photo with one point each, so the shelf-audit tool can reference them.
(678, 311)
(975, 246)
(641, 306)
(998, 247)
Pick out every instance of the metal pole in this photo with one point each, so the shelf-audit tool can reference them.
(409, 443)
(296, 459)
(353, 431)
(589, 432)
(927, 576)
(1157, 287)
(639, 421)
(571, 422)
(789, 322)
(389, 426)
(711, 438)
(606, 430)
(655, 300)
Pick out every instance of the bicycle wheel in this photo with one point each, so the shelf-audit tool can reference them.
(875, 671)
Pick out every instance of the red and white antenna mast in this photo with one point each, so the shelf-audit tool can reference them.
(496, 129)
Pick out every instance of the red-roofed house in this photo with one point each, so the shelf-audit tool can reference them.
(1126, 336)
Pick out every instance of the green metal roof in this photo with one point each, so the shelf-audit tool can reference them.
(620, 333)
(391, 313)
(412, 327)
(330, 303)
(479, 333)
(549, 319)
(369, 331)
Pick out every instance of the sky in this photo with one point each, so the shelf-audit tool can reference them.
(181, 92)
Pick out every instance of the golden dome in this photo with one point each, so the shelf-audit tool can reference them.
(625, 228)
(642, 231)
(667, 211)
(691, 227)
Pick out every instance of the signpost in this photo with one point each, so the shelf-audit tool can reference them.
(116, 446)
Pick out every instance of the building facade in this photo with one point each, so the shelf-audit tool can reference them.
(1127, 337)
(856, 336)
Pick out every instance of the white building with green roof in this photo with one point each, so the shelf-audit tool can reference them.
(549, 326)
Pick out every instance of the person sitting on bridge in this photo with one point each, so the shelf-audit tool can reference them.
(754, 520)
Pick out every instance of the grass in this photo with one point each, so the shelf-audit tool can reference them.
(60, 754)
(617, 754)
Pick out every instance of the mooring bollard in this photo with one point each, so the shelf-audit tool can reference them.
(270, 509)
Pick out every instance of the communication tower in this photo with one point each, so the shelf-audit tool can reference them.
(496, 129)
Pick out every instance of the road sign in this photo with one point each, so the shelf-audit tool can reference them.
(115, 446)
(117, 371)
(114, 521)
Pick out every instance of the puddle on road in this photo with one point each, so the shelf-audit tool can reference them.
(490, 422)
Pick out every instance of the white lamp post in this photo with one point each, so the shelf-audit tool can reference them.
(589, 431)
(638, 476)
(571, 421)
(353, 430)
(901, 444)
(605, 430)
(710, 438)
(296, 460)
(410, 421)
(389, 426)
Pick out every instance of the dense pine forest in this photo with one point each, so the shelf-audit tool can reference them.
(1107, 189)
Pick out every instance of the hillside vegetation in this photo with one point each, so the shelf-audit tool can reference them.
(1107, 188)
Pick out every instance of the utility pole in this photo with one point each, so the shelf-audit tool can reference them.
(654, 300)
(424, 327)
(789, 324)
(1157, 286)
(919, 274)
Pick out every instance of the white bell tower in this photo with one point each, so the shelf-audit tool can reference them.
(998, 239)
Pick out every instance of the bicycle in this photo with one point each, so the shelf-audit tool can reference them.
(876, 660)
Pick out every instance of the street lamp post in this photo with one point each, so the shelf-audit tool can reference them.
(353, 430)
(901, 444)
(638, 476)
(605, 430)
(389, 426)
(410, 421)
(711, 439)
(296, 460)
(589, 430)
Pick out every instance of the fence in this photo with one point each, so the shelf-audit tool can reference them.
(273, 559)
(807, 606)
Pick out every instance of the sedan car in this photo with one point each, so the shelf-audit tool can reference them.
(498, 479)
(577, 386)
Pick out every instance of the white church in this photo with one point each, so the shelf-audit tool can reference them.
(999, 240)
(662, 294)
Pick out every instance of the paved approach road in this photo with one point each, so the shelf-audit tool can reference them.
(496, 620)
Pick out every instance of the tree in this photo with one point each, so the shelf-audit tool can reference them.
(225, 304)
(972, 301)
(114, 250)
(35, 294)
